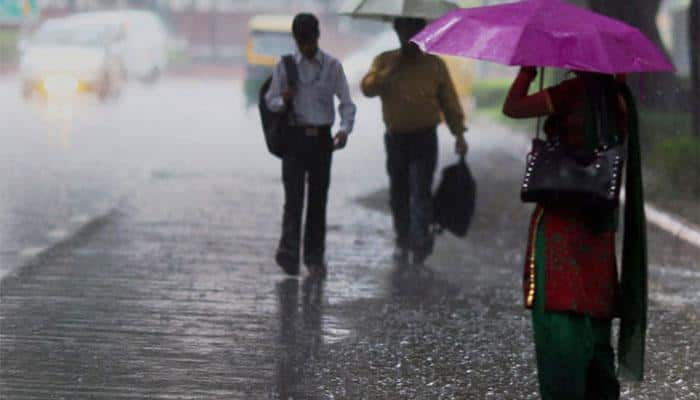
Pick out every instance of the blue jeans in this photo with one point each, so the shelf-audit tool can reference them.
(411, 161)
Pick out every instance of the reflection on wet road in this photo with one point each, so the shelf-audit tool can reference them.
(300, 334)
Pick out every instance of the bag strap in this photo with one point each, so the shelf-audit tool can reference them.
(601, 115)
(539, 119)
(290, 67)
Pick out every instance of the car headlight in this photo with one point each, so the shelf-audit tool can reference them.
(61, 84)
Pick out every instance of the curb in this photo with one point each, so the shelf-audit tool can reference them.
(75, 228)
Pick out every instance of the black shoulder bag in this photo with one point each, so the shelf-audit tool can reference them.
(560, 174)
(276, 125)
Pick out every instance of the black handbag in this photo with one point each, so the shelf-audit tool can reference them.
(557, 174)
(562, 174)
(455, 199)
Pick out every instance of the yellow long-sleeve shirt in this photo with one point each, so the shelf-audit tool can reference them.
(415, 91)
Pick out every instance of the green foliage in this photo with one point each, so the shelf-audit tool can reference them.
(656, 126)
(678, 156)
(491, 93)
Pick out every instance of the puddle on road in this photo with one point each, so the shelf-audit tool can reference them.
(334, 330)
(676, 300)
(674, 286)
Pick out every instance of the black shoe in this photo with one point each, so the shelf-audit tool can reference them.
(317, 270)
(419, 256)
(286, 260)
(400, 255)
(422, 250)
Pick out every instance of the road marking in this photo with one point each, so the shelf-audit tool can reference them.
(672, 225)
(57, 234)
(80, 219)
(31, 251)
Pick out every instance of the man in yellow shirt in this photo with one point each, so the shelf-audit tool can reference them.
(416, 93)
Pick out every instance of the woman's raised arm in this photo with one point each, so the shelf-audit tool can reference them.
(519, 104)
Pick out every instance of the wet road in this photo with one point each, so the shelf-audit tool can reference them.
(173, 292)
(65, 163)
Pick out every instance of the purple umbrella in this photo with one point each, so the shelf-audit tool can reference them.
(548, 33)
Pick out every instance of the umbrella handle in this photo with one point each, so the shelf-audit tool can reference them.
(539, 119)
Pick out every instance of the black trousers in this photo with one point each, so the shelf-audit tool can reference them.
(411, 162)
(307, 163)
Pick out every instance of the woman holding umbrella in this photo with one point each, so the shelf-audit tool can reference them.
(570, 278)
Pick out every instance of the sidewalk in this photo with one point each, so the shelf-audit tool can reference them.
(175, 295)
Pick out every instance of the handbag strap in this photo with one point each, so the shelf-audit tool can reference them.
(601, 115)
(539, 119)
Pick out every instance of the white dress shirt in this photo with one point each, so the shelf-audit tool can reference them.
(320, 79)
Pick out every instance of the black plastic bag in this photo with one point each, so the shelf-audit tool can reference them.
(455, 199)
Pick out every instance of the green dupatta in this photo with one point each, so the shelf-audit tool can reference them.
(633, 280)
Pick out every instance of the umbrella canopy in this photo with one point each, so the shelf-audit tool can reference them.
(549, 33)
(388, 9)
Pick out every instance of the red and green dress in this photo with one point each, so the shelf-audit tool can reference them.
(571, 279)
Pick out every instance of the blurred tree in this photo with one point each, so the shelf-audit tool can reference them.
(664, 91)
(641, 14)
(694, 51)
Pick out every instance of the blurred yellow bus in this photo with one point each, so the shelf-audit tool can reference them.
(269, 38)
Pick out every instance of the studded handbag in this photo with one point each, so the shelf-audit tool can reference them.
(556, 173)
(572, 176)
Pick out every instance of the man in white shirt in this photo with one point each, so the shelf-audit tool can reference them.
(310, 145)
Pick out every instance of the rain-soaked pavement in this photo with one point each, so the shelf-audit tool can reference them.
(171, 292)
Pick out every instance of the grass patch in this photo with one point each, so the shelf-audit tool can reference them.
(491, 93)
(677, 158)
(655, 127)
(671, 154)
(522, 125)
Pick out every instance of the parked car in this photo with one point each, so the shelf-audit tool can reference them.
(64, 57)
(143, 47)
